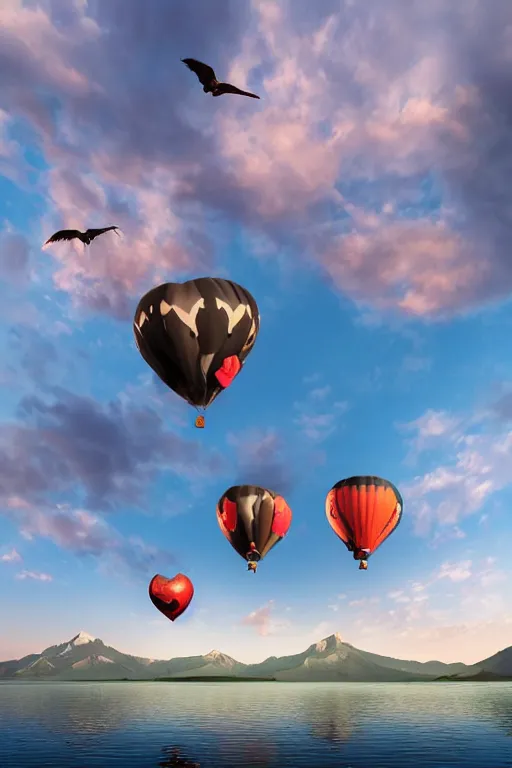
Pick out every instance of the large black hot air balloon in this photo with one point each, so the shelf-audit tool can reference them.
(253, 520)
(363, 511)
(197, 335)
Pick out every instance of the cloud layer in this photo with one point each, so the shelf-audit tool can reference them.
(454, 614)
(379, 157)
(476, 455)
(70, 459)
(86, 535)
(107, 452)
(381, 147)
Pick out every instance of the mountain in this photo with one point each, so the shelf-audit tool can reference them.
(497, 667)
(87, 658)
(333, 659)
(499, 664)
(213, 664)
(482, 676)
(81, 658)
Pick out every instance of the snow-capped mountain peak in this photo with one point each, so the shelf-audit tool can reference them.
(219, 658)
(333, 641)
(331, 659)
(214, 655)
(82, 638)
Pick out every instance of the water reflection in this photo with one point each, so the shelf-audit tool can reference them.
(257, 725)
(332, 711)
(330, 716)
(172, 757)
(76, 708)
(499, 714)
(337, 713)
(252, 752)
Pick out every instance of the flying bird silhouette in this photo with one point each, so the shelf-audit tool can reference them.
(209, 81)
(85, 237)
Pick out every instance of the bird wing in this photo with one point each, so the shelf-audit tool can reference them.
(95, 232)
(63, 234)
(203, 71)
(228, 88)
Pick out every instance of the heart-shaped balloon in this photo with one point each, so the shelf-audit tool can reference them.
(171, 596)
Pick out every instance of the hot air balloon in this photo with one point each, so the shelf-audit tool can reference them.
(197, 335)
(363, 511)
(171, 596)
(253, 520)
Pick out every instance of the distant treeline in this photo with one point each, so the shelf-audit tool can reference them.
(214, 679)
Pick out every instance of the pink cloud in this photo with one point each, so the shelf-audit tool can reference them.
(372, 100)
(43, 43)
(418, 627)
(260, 619)
(114, 268)
(86, 535)
(347, 110)
(81, 191)
(419, 267)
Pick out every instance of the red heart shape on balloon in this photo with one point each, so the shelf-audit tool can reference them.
(171, 596)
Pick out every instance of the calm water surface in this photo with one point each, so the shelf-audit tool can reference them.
(239, 725)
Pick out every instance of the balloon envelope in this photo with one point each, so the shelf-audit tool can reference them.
(363, 511)
(196, 335)
(171, 596)
(253, 520)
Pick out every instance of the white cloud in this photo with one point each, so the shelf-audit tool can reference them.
(434, 424)
(34, 575)
(455, 571)
(320, 393)
(317, 415)
(399, 596)
(11, 557)
(448, 534)
(432, 430)
(364, 601)
(426, 621)
(477, 465)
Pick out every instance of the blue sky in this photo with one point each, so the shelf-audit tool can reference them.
(362, 205)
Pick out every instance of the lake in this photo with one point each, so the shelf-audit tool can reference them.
(264, 725)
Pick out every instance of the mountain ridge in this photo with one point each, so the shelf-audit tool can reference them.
(331, 659)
